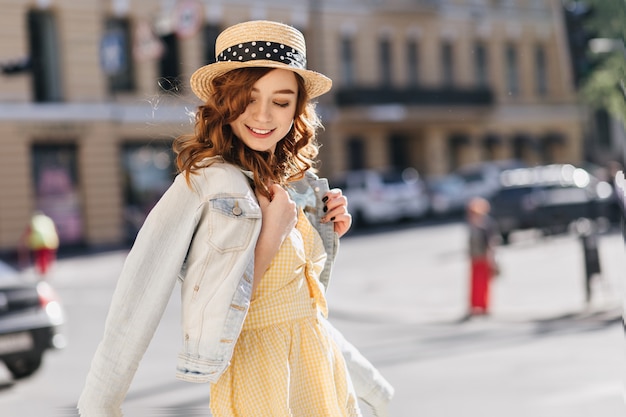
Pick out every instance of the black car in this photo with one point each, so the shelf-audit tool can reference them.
(549, 198)
(31, 320)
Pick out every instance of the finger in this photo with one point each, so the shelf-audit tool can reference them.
(334, 212)
(262, 199)
(332, 193)
(342, 223)
(336, 202)
(277, 191)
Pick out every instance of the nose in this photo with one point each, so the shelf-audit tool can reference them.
(262, 111)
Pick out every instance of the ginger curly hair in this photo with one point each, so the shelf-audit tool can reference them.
(213, 135)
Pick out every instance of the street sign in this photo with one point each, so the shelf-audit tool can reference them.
(188, 18)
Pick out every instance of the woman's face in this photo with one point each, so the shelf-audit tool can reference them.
(270, 113)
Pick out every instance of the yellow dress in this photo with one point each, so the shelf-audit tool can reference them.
(285, 364)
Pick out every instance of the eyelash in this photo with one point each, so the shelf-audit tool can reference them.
(281, 105)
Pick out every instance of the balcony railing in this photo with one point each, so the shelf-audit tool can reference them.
(412, 96)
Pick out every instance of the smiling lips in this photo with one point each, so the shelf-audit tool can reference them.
(260, 132)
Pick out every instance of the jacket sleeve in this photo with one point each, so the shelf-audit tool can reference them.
(369, 385)
(139, 300)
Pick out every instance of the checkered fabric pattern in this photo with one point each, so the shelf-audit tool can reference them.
(285, 364)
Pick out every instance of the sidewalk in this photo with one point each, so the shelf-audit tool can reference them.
(541, 353)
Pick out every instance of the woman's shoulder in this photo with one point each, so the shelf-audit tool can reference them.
(216, 175)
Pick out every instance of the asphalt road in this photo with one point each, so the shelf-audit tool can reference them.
(398, 294)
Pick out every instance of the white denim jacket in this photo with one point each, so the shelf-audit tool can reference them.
(203, 234)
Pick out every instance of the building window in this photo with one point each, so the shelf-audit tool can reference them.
(169, 66)
(399, 152)
(447, 63)
(512, 73)
(148, 171)
(524, 146)
(116, 56)
(385, 60)
(480, 65)
(44, 56)
(347, 60)
(457, 144)
(356, 153)
(603, 128)
(412, 56)
(541, 71)
(490, 142)
(210, 33)
(55, 177)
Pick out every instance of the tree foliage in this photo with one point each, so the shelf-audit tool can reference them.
(605, 86)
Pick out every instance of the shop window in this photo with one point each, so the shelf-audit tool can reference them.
(169, 65)
(347, 61)
(490, 143)
(210, 33)
(356, 154)
(56, 189)
(525, 146)
(480, 65)
(148, 170)
(457, 143)
(44, 56)
(399, 152)
(384, 46)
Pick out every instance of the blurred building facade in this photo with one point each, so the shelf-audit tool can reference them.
(93, 92)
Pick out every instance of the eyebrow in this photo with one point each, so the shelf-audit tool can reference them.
(285, 91)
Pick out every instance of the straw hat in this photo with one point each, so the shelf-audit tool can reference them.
(259, 43)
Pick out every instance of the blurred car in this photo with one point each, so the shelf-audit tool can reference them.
(549, 198)
(31, 320)
(447, 195)
(383, 197)
(483, 179)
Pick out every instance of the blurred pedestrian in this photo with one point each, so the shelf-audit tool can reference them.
(616, 207)
(42, 241)
(483, 265)
(619, 186)
(588, 234)
(253, 304)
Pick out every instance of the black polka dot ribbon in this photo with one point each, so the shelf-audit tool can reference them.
(252, 51)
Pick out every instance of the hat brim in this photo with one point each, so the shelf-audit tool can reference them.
(201, 80)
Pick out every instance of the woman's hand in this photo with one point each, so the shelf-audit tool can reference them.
(336, 208)
(279, 214)
(279, 217)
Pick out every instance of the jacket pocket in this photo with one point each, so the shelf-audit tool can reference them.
(232, 221)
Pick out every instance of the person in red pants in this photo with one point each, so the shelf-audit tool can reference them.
(42, 240)
(482, 256)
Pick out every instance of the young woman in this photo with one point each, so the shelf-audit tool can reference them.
(251, 232)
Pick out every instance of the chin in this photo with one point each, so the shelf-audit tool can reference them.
(261, 149)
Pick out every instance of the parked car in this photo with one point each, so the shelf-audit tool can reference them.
(31, 320)
(447, 195)
(383, 197)
(549, 198)
(483, 179)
